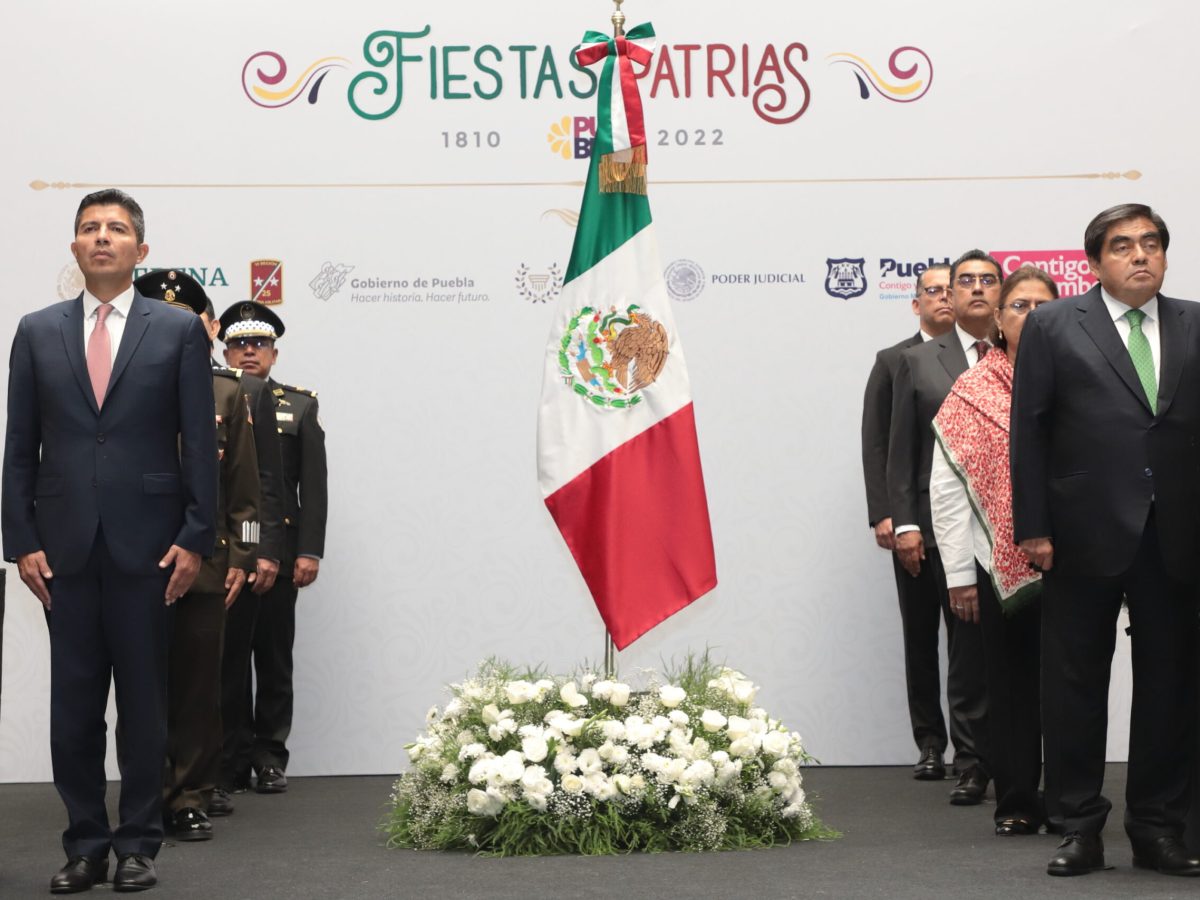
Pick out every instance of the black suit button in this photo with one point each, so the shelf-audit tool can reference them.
(1149, 473)
(100, 438)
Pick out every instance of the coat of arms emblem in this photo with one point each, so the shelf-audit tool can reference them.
(609, 358)
(845, 278)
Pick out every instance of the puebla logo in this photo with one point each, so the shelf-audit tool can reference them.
(610, 358)
(845, 278)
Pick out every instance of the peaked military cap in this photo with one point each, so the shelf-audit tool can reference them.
(174, 287)
(250, 319)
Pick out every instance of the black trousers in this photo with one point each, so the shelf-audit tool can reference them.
(194, 731)
(1012, 660)
(236, 690)
(109, 626)
(924, 605)
(1079, 618)
(274, 636)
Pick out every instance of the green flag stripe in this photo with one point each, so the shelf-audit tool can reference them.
(606, 221)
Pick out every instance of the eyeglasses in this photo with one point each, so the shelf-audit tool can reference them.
(968, 280)
(935, 291)
(258, 343)
(1021, 307)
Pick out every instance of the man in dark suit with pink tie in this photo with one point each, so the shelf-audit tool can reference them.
(109, 499)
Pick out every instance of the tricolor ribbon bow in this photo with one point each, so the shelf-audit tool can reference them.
(620, 126)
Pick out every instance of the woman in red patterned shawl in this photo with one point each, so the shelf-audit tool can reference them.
(990, 581)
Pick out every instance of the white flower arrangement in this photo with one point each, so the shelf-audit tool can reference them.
(532, 765)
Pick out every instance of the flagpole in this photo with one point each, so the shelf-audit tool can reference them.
(610, 649)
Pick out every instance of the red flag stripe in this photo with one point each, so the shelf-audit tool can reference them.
(637, 524)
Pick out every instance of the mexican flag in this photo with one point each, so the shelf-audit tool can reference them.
(618, 460)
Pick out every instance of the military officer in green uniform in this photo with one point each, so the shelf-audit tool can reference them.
(194, 728)
(250, 331)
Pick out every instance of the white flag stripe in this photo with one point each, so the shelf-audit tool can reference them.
(620, 124)
(573, 433)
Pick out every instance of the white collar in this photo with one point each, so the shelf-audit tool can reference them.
(121, 303)
(1117, 309)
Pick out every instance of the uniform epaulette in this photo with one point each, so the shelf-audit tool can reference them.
(295, 390)
(227, 371)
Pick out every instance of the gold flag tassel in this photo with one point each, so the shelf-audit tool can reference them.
(624, 172)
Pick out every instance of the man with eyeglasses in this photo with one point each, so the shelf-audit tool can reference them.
(1105, 418)
(264, 632)
(921, 608)
(924, 376)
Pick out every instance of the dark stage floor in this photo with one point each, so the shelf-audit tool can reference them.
(900, 839)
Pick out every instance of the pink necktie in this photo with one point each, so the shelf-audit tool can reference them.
(99, 354)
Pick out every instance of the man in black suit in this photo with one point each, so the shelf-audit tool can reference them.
(924, 377)
(1105, 424)
(921, 606)
(110, 477)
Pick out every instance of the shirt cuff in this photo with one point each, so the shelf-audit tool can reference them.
(961, 579)
(900, 529)
(308, 556)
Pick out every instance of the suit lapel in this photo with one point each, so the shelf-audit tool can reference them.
(72, 335)
(1172, 343)
(952, 355)
(1097, 322)
(135, 327)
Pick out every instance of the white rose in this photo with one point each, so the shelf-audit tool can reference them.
(622, 782)
(572, 784)
(700, 748)
(532, 776)
(537, 801)
(602, 788)
(571, 727)
(777, 780)
(738, 727)
(671, 696)
(602, 690)
(569, 694)
(479, 803)
(776, 743)
(786, 766)
(534, 748)
(471, 751)
(528, 731)
(415, 751)
(653, 763)
(449, 772)
(544, 686)
(743, 746)
(758, 713)
(712, 720)
(744, 691)
(589, 761)
(472, 691)
(678, 718)
(495, 732)
(620, 694)
(466, 736)
(480, 770)
(491, 714)
(454, 708)
(637, 784)
(518, 692)
(720, 758)
(511, 767)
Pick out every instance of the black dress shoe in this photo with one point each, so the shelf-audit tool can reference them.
(1078, 854)
(972, 785)
(134, 873)
(79, 874)
(191, 824)
(241, 784)
(1016, 827)
(1167, 855)
(271, 780)
(930, 767)
(220, 803)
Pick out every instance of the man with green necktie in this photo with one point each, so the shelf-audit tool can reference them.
(1106, 501)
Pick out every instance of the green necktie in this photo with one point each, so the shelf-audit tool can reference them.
(1143, 359)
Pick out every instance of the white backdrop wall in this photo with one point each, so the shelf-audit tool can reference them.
(1029, 118)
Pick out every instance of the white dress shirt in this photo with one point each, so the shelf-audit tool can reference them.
(115, 323)
(960, 537)
(1117, 310)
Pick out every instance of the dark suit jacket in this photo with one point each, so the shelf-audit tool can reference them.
(143, 468)
(924, 377)
(876, 424)
(305, 475)
(1088, 455)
